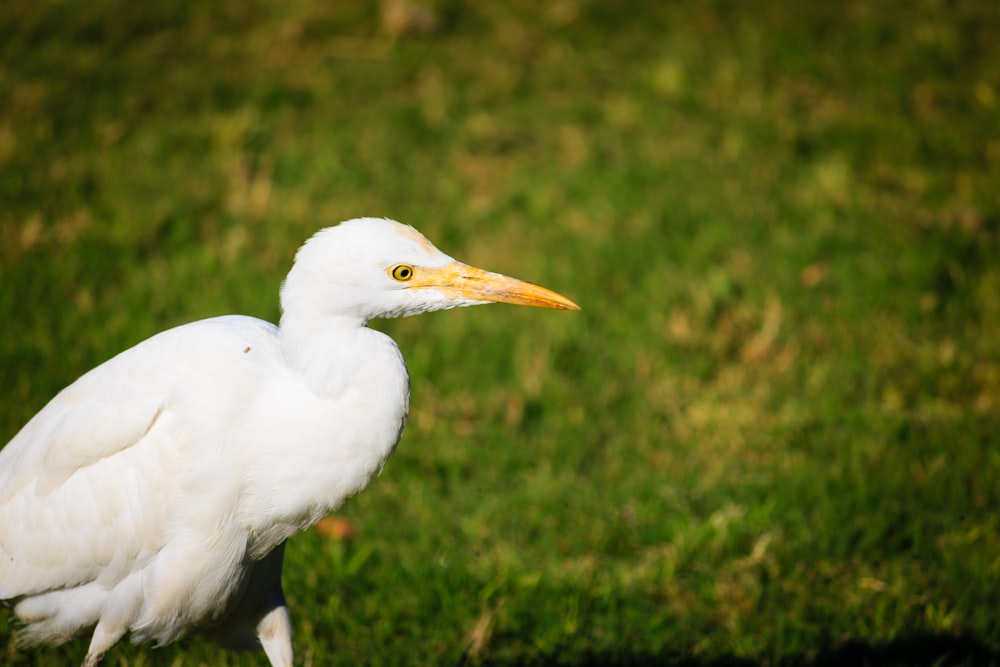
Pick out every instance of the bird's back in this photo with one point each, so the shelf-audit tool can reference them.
(120, 493)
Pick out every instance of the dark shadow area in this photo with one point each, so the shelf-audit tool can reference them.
(920, 650)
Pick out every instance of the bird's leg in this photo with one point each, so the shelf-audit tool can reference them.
(91, 659)
(274, 629)
(275, 634)
(106, 635)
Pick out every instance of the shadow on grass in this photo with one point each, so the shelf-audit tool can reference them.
(920, 650)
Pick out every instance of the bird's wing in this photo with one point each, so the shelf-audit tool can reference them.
(90, 486)
(82, 425)
(71, 488)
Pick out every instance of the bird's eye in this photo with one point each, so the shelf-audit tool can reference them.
(402, 272)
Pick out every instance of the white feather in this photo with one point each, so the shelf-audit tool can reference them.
(154, 494)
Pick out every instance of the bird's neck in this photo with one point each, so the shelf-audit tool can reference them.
(323, 349)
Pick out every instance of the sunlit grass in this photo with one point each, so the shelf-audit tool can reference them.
(770, 434)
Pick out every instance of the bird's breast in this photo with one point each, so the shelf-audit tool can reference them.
(313, 439)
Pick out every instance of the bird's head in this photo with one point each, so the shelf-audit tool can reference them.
(370, 267)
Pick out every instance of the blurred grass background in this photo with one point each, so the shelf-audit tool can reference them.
(770, 437)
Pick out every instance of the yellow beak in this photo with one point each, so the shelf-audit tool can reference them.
(462, 281)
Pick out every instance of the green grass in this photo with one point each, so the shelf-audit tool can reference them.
(770, 436)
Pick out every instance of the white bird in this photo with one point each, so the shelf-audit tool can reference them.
(154, 495)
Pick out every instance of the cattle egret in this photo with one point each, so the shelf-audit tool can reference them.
(154, 495)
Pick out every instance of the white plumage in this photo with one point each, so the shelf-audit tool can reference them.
(154, 495)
